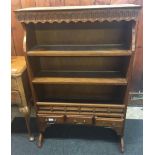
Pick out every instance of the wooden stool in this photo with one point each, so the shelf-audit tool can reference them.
(20, 89)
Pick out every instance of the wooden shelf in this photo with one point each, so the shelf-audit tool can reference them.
(79, 50)
(103, 105)
(64, 80)
(80, 65)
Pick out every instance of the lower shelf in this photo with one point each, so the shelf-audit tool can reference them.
(64, 80)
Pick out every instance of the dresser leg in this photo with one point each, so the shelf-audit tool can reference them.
(25, 110)
(27, 119)
(40, 140)
(122, 144)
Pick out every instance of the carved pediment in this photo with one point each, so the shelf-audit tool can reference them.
(78, 14)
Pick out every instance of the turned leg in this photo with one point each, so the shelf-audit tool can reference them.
(40, 140)
(27, 119)
(26, 113)
(122, 144)
(119, 132)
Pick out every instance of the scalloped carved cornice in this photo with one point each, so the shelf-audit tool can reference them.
(77, 15)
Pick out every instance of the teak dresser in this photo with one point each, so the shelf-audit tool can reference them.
(79, 62)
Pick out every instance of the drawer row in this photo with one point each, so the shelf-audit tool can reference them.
(109, 115)
(102, 110)
(80, 119)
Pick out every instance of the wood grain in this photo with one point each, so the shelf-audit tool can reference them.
(72, 3)
(86, 2)
(18, 65)
(80, 105)
(13, 52)
(85, 81)
(28, 3)
(17, 31)
(102, 2)
(41, 3)
(81, 53)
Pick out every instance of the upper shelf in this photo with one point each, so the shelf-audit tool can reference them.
(69, 14)
(78, 50)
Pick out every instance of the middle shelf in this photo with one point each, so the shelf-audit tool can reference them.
(85, 81)
(79, 70)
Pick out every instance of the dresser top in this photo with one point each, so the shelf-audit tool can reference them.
(79, 7)
(18, 65)
(67, 14)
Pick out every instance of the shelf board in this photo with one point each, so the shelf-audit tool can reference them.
(69, 104)
(64, 80)
(79, 50)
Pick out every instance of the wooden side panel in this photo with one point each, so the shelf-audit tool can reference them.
(119, 1)
(101, 2)
(40, 3)
(139, 43)
(27, 3)
(137, 76)
(17, 30)
(13, 53)
(72, 3)
(139, 2)
(59, 2)
(52, 2)
(86, 2)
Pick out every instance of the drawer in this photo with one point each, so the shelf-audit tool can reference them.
(15, 97)
(14, 85)
(51, 119)
(79, 119)
(109, 122)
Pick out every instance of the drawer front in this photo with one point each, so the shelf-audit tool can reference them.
(15, 97)
(109, 122)
(79, 119)
(52, 119)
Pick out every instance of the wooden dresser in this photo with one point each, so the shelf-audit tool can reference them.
(79, 63)
(20, 89)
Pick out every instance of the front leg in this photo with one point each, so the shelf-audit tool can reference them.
(119, 132)
(122, 144)
(42, 125)
(40, 140)
(26, 112)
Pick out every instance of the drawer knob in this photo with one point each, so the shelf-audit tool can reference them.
(75, 121)
(50, 121)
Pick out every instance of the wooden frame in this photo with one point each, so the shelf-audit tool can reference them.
(60, 108)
